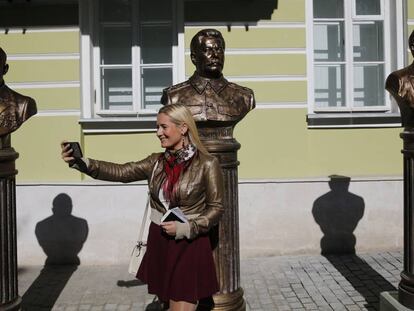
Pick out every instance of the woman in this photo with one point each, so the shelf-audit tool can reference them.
(178, 265)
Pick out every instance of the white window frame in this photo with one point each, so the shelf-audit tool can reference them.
(349, 19)
(90, 66)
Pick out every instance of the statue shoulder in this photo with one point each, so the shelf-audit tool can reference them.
(169, 91)
(25, 105)
(245, 93)
(19, 98)
(242, 89)
(398, 80)
(177, 87)
(392, 84)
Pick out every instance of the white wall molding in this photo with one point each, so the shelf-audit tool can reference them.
(58, 113)
(35, 57)
(241, 25)
(32, 29)
(266, 78)
(261, 51)
(281, 105)
(44, 85)
(98, 183)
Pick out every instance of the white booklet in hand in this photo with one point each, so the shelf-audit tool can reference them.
(174, 214)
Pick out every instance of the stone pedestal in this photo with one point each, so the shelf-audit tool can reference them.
(9, 298)
(219, 142)
(389, 302)
(406, 286)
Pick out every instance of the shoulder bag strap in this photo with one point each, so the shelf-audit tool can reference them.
(144, 219)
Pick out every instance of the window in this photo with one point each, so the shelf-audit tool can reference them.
(348, 55)
(134, 56)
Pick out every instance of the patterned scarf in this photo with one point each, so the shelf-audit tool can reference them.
(175, 163)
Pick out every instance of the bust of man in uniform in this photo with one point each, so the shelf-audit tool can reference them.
(400, 84)
(14, 107)
(208, 95)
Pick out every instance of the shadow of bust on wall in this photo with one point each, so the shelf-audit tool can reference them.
(338, 213)
(61, 237)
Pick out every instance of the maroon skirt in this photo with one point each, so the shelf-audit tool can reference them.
(181, 270)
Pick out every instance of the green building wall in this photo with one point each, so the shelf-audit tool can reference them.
(276, 143)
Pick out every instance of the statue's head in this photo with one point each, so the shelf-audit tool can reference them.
(207, 53)
(4, 67)
(411, 43)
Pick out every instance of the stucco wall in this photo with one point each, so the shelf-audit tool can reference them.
(275, 217)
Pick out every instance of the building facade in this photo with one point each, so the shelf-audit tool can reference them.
(323, 120)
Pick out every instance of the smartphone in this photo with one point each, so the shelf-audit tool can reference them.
(77, 151)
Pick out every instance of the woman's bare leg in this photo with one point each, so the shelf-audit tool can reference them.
(182, 306)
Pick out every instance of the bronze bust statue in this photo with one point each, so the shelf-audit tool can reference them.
(400, 84)
(208, 95)
(14, 107)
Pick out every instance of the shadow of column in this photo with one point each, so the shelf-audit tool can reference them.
(338, 213)
(61, 237)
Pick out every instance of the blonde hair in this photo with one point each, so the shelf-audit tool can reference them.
(180, 114)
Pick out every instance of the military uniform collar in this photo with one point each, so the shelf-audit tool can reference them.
(200, 83)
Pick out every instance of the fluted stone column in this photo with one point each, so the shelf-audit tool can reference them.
(9, 298)
(406, 286)
(219, 142)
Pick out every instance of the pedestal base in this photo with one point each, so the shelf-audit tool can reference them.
(232, 301)
(15, 305)
(389, 302)
(406, 295)
(9, 297)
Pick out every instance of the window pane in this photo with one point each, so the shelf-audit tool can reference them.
(369, 85)
(115, 10)
(155, 10)
(156, 44)
(368, 7)
(329, 86)
(328, 8)
(328, 41)
(368, 41)
(116, 89)
(116, 45)
(154, 81)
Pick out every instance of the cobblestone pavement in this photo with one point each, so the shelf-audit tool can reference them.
(270, 283)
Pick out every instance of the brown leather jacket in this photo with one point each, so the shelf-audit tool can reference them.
(200, 187)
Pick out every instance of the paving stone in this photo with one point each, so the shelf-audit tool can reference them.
(281, 283)
(294, 305)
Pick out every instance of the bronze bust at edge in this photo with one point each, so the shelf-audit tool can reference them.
(400, 84)
(15, 108)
